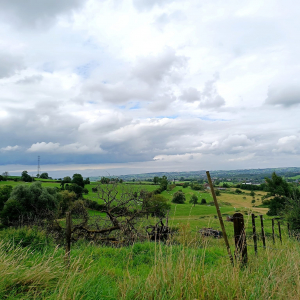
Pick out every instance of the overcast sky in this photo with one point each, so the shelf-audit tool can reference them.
(134, 86)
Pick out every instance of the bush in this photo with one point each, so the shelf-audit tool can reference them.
(237, 191)
(218, 193)
(185, 185)
(203, 201)
(5, 192)
(178, 197)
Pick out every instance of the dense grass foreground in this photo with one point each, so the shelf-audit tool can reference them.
(148, 271)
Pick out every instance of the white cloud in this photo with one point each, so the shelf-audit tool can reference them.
(10, 148)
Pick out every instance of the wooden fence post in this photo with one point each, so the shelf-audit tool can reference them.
(273, 231)
(220, 216)
(262, 230)
(279, 229)
(240, 238)
(68, 236)
(288, 226)
(254, 233)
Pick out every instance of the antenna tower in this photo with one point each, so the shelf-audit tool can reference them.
(39, 168)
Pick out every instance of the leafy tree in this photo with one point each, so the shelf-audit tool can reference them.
(5, 192)
(44, 176)
(33, 200)
(196, 186)
(238, 191)
(77, 189)
(78, 179)
(157, 205)
(252, 194)
(194, 199)
(280, 190)
(226, 185)
(178, 197)
(67, 198)
(185, 185)
(203, 201)
(87, 181)
(156, 180)
(1, 178)
(218, 193)
(104, 180)
(26, 177)
(67, 179)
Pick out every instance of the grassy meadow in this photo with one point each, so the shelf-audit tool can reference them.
(187, 267)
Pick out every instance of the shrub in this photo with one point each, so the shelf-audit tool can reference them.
(238, 191)
(203, 201)
(5, 192)
(185, 185)
(178, 197)
(218, 193)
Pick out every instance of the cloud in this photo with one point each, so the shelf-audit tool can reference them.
(10, 65)
(155, 68)
(190, 95)
(69, 148)
(10, 148)
(35, 12)
(30, 79)
(145, 5)
(285, 96)
(288, 144)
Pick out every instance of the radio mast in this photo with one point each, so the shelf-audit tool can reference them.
(39, 166)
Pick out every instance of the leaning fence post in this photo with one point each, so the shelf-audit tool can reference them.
(273, 231)
(262, 230)
(220, 216)
(240, 238)
(254, 233)
(279, 229)
(68, 235)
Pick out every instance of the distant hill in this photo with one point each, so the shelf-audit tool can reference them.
(257, 175)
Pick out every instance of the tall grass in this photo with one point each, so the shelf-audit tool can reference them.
(187, 268)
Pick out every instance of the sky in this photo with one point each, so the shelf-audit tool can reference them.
(134, 86)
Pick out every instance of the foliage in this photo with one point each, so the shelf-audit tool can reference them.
(237, 191)
(252, 194)
(218, 193)
(44, 176)
(194, 199)
(66, 200)
(185, 185)
(67, 179)
(178, 197)
(5, 192)
(87, 181)
(157, 205)
(203, 201)
(77, 189)
(171, 187)
(33, 200)
(78, 179)
(26, 177)
(196, 186)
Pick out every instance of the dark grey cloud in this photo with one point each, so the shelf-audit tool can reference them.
(10, 65)
(35, 12)
(285, 96)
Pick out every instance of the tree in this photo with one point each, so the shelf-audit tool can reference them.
(194, 199)
(218, 193)
(5, 174)
(104, 180)
(26, 177)
(78, 179)
(157, 205)
(87, 181)
(156, 180)
(5, 192)
(203, 201)
(238, 191)
(252, 194)
(44, 176)
(1, 178)
(67, 179)
(280, 190)
(30, 200)
(185, 185)
(178, 197)
(77, 189)
(67, 198)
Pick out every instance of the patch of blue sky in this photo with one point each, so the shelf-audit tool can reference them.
(85, 70)
(135, 106)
